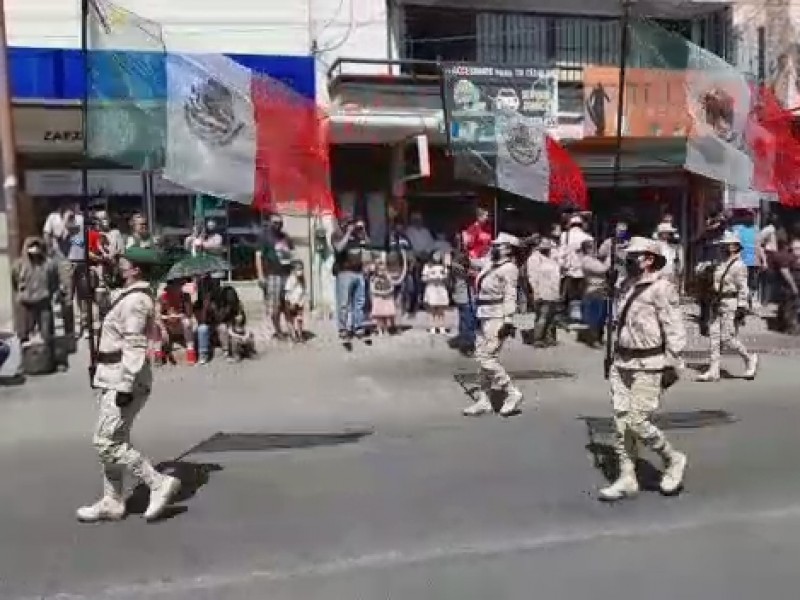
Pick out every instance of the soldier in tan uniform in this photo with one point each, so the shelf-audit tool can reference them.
(123, 379)
(496, 303)
(729, 306)
(649, 337)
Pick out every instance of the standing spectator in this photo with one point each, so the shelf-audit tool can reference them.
(571, 242)
(766, 249)
(595, 295)
(34, 280)
(440, 244)
(140, 236)
(461, 283)
(207, 240)
(544, 276)
(383, 304)
(748, 235)
(422, 245)
(437, 298)
(786, 262)
(671, 249)
(273, 265)
(296, 295)
(64, 237)
(349, 244)
(478, 236)
(400, 262)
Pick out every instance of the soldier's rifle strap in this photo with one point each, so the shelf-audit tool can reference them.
(722, 279)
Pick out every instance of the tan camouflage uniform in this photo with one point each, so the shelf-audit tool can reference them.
(123, 380)
(652, 335)
(496, 303)
(733, 294)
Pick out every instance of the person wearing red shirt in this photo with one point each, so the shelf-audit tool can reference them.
(478, 236)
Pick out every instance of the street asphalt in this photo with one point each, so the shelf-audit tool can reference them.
(311, 473)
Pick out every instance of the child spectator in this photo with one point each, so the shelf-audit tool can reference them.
(295, 298)
(437, 298)
(383, 303)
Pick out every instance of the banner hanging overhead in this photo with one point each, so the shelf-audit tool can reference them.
(500, 123)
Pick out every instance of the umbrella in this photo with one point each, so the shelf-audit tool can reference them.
(196, 266)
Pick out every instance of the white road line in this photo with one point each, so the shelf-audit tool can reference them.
(399, 558)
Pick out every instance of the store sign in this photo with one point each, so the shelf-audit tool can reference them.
(654, 105)
(477, 98)
(57, 136)
(48, 129)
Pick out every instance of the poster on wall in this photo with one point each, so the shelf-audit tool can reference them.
(491, 108)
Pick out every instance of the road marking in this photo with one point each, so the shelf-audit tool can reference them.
(398, 558)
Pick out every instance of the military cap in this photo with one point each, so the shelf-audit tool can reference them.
(143, 256)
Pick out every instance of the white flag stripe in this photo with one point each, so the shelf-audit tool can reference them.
(522, 167)
(211, 128)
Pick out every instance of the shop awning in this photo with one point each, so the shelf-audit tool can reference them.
(365, 126)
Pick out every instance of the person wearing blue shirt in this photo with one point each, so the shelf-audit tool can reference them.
(748, 234)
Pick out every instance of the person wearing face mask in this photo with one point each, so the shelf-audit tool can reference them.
(728, 307)
(496, 303)
(123, 379)
(35, 281)
(649, 336)
(273, 262)
(544, 276)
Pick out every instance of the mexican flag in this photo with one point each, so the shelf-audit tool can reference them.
(236, 134)
(715, 98)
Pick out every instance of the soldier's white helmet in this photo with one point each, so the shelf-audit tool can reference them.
(546, 244)
(640, 245)
(729, 237)
(506, 239)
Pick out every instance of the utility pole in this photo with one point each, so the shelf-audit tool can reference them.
(9, 217)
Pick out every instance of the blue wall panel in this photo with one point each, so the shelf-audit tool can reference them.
(59, 74)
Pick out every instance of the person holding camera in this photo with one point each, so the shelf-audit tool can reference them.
(496, 303)
(349, 245)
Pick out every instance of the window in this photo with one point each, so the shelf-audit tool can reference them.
(438, 34)
(579, 41)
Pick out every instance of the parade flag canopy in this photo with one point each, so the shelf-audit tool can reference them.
(212, 125)
(500, 122)
(715, 97)
(125, 110)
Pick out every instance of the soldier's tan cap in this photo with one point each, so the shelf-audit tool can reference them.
(505, 239)
(729, 237)
(641, 245)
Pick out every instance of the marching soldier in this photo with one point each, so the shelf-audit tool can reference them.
(729, 307)
(649, 337)
(123, 380)
(496, 303)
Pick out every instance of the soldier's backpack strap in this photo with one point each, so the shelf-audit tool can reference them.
(724, 273)
(623, 315)
(114, 304)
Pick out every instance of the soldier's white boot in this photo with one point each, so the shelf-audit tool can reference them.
(161, 495)
(710, 375)
(751, 366)
(626, 485)
(111, 507)
(512, 403)
(481, 406)
(108, 508)
(674, 469)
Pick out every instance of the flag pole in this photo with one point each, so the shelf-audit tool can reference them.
(612, 273)
(623, 65)
(89, 301)
(9, 161)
